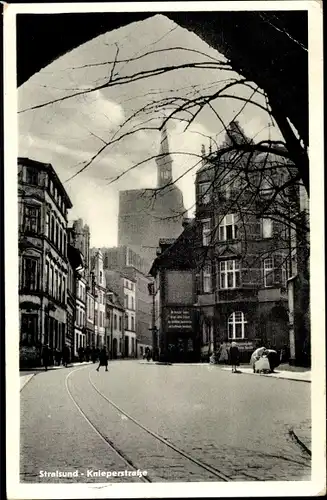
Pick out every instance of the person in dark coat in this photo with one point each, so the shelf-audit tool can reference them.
(87, 353)
(58, 356)
(234, 355)
(103, 359)
(65, 355)
(81, 354)
(46, 356)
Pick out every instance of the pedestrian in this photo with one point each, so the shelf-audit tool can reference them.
(223, 354)
(65, 355)
(46, 356)
(87, 353)
(234, 354)
(103, 359)
(58, 356)
(81, 354)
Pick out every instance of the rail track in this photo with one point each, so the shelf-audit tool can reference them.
(189, 461)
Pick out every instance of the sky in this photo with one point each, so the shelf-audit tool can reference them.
(71, 131)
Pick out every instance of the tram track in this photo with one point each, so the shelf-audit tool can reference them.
(190, 459)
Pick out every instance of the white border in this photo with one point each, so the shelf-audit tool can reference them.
(312, 488)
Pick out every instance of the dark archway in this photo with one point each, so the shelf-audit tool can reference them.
(268, 48)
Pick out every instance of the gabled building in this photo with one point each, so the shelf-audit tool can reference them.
(43, 205)
(176, 336)
(241, 278)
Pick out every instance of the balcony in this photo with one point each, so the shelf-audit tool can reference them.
(272, 294)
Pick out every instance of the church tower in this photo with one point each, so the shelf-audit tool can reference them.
(164, 161)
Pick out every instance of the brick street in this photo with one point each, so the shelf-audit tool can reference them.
(232, 423)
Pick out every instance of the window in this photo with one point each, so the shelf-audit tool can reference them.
(267, 228)
(132, 306)
(266, 188)
(63, 290)
(31, 218)
(115, 321)
(51, 281)
(206, 232)
(230, 274)
(126, 322)
(47, 218)
(30, 279)
(59, 287)
(236, 326)
(268, 271)
(55, 291)
(165, 174)
(126, 301)
(132, 323)
(204, 193)
(228, 228)
(207, 282)
(57, 235)
(120, 323)
(46, 277)
(53, 228)
(32, 176)
(64, 250)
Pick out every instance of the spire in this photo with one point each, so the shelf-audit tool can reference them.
(164, 144)
(164, 161)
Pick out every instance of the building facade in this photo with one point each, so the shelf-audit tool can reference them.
(129, 289)
(176, 336)
(99, 284)
(242, 271)
(146, 215)
(43, 265)
(114, 325)
(130, 264)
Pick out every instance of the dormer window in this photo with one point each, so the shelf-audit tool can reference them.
(32, 176)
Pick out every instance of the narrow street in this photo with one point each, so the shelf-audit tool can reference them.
(177, 423)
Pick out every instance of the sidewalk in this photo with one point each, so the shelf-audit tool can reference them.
(302, 375)
(26, 377)
(283, 371)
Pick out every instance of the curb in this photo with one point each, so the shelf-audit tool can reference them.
(299, 441)
(271, 375)
(28, 378)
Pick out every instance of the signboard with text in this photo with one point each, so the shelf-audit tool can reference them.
(179, 319)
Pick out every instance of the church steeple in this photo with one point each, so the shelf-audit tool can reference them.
(164, 161)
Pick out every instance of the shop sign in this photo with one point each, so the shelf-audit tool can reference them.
(179, 319)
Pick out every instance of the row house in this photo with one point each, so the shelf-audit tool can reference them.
(225, 278)
(125, 288)
(244, 249)
(99, 290)
(114, 324)
(43, 265)
(175, 330)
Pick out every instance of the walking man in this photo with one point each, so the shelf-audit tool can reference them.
(103, 359)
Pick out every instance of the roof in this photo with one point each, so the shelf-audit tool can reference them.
(47, 166)
(180, 248)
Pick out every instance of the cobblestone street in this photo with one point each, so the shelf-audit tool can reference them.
(178, 423)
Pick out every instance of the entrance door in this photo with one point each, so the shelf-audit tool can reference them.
(126, 353)
(114, 349)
